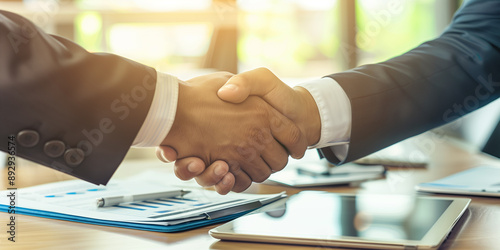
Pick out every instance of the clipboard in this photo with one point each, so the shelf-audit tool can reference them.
(75, 200)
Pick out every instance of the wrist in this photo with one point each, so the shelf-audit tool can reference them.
(181, 115)
(161, 114)
(311, 122)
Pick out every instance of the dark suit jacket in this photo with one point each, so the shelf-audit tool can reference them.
(69, 109)
(435, 83)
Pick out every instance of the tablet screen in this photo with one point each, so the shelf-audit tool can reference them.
(323, 215)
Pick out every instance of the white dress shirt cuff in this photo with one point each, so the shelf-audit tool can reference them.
(161, 114)
(335, 113)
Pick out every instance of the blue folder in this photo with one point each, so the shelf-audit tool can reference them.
(75, 201)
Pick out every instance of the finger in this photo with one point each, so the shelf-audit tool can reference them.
(166, 154)
(258, 170)
(241, 179)
(226, 184)
(275, 156)
(250, 157)
(188, 168)
(288, 134)
(213, 174)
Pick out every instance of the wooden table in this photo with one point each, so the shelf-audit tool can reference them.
(478, 229)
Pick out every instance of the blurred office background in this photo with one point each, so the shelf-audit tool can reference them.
(297, 39)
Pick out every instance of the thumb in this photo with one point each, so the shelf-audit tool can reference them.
(260, 82)
(235, 90)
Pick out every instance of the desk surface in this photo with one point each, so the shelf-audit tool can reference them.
(478, 229)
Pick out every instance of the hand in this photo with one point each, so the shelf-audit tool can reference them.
(295, 103)
(216, 175)
(252, 137)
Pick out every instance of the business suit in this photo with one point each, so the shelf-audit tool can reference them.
(71, 110)
(426, 86)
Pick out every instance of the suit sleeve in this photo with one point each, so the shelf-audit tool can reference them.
(435, 83)
(68, 109)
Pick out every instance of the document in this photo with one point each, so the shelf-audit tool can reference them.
(482, 181)
(75, 200)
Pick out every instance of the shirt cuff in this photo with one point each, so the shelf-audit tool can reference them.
(161, 114)
(335, 114)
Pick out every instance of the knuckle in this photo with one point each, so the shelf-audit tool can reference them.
(234, 167)
(262, 176)
(276, 124)
(259, 137)
(258, 170)
(241, 186)
(263, 70)
(282, 164)
(202, 182)
(222, 190)
(246, 152)
(255, 134)
(260, 173)
(206, 180)
(294, 135)
(180, 174)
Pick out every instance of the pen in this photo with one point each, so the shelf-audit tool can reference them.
(115, 200)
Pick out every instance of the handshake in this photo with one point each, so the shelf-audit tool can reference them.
(232, 130)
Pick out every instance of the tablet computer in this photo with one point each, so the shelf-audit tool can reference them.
(344, 220)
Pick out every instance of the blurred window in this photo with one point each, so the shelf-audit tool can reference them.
(387, 28)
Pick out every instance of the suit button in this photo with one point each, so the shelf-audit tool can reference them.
(74, 156)
(54, 148)
(28, 138)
